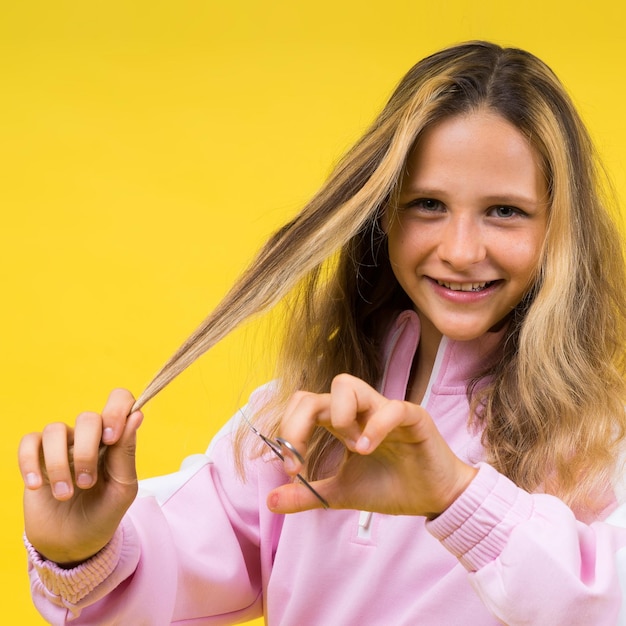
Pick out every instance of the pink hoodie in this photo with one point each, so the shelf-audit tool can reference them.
(200, 547)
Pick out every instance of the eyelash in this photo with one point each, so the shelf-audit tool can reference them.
(419, 202)
(513, 211)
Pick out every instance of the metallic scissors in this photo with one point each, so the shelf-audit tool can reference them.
(276, 446)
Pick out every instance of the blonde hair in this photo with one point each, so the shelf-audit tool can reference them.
(552, 416)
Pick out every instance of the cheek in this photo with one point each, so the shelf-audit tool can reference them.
(404, 252)
(407, 243)
(522, 257)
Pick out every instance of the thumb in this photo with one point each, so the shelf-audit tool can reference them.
(120, 457)
(295, 497)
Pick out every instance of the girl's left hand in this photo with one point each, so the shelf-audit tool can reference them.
(396, 461)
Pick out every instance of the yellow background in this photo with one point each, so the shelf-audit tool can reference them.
(147, 148)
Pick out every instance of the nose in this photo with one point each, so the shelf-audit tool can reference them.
(462, 243)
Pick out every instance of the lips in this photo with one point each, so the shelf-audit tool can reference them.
(465, 286)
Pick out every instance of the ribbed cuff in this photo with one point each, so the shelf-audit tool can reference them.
(74, 584)
(478, 524)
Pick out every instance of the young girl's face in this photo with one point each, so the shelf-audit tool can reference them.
(467, 236)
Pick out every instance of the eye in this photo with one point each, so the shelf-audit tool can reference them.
(505, 211)
(427, 205)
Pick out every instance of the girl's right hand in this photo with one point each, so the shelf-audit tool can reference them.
(70, 515)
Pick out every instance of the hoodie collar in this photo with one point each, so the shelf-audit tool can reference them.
(457, 362)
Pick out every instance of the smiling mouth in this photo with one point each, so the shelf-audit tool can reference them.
(466, 286)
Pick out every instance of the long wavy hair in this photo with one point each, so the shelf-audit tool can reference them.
(552, 415)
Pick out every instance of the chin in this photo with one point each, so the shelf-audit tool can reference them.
(461, 334)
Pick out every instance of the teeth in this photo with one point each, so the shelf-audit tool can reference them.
(463, 286)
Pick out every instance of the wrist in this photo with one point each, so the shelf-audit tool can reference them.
(73, 564)
(67, 559)
(464, 478)
(74, 584)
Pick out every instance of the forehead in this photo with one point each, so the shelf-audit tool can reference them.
(473, 152)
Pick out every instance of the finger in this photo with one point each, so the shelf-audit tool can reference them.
(114, 414)
(352, 402)
(294, 400)
(87, 436)
(28, 458)
(305, 412)
(388, 418)
(120, 459)
(294, 498)
(55, 440)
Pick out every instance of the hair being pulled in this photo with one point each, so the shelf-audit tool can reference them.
(552, 414)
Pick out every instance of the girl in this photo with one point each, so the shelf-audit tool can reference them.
(452, 383)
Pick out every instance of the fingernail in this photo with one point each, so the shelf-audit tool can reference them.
(32, 480)
(272, 501)
(107, 435)
(84, 480)
(363, 445)
(61, 489)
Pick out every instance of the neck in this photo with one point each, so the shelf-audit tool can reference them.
(430, 338)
